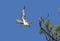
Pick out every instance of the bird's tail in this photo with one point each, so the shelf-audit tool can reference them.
(30, 22)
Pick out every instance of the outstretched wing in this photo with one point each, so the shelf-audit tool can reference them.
(23, 14)
(19, 21)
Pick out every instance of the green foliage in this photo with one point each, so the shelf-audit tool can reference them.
(47, 23)
(57, 29)
(50, 28)
(54, 35)
(41, 31)
(47, 29)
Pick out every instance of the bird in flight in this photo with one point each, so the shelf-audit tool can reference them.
(23, 22)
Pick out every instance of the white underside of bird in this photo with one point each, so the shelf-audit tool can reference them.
(23, 22)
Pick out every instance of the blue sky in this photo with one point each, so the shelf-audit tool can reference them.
(10, 10)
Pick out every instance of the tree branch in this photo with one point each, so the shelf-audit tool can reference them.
(48, 34)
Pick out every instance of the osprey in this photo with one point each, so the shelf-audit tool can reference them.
(23, 22)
